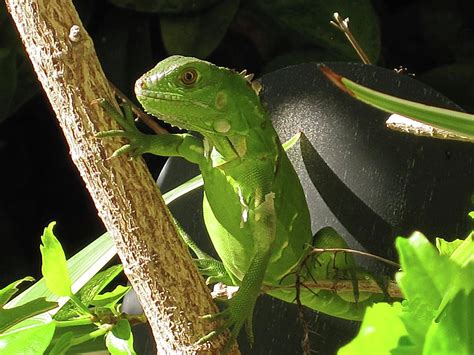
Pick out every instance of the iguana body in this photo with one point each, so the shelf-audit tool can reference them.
(254, 206)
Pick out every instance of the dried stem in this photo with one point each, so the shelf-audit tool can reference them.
(343, 26)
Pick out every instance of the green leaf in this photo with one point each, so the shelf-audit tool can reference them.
(120, 340)
(54, 267)
(438, 314)
(453, 332)
(83, 333)
(198, 34)
(183, 189)
(164, 6)
(380, 331)
(311, 20)
(464, 253)
(291, 142)
(7, 292)
(422, 265)
(11, 316)
(29, 337)
(63, 344)
(109, 299)
(82, 267)
(89, 291)
(447, 248)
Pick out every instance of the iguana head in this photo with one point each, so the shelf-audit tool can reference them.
(200, 96)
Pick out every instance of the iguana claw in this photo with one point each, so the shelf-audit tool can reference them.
(138, 141)
(239, 311)
(214, 270)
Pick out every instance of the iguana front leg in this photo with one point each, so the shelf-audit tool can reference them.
(240, 308)
(181, 145)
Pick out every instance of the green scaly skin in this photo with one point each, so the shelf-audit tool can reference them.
(254, 206)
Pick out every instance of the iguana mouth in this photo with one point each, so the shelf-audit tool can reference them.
(166, 96)
(150, 95)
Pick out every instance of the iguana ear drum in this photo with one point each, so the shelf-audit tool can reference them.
(221, 126)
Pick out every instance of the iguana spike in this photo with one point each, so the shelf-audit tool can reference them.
(249, 77)
(256, 86)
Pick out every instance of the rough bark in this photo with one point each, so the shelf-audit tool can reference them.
(155, 260)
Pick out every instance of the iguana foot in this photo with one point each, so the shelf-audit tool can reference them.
(239, 312)
(207, 265)
(214, 270)
(138, 141)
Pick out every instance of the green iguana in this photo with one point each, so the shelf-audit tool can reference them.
(254, 207)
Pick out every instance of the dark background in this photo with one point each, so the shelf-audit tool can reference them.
(38, 183)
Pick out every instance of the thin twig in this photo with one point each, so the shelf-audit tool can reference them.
(149, 121)
(305, 342)
(343, 286)
(353, 251)
(343, 26)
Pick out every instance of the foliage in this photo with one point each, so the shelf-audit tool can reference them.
(38, 325)
(437, 318)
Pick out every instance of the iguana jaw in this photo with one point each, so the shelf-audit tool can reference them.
(156, 100)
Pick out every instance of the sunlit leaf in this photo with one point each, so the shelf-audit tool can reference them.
(109, 299)
(31, 336)
(447, 248)
(54, 265)
(183, 189)
(422, 265)
(464, 253)
(7, 292)
(82, 267)
(11, 316)
(453, 332)
(380, 331)
(89, 291)
(120, 340)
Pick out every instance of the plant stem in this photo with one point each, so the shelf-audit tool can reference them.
(343, 26)
(92, 335)
(73, 322)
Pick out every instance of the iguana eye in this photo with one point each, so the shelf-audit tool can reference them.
(189, 76)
